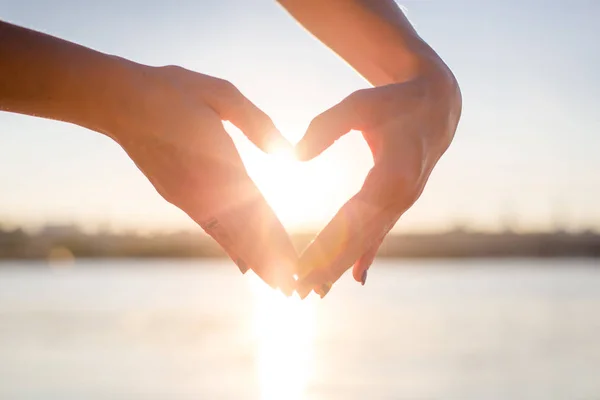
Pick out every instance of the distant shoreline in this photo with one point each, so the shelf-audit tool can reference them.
(69, 242)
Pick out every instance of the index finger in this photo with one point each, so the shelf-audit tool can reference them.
(233, 106)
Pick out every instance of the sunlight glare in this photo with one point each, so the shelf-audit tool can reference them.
(284, 329)
(282, 150)
(305, 195)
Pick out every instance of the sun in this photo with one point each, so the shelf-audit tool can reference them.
(289, 189)
(305, 195)
(292, 188)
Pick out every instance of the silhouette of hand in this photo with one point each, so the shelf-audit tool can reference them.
(408, 126)
(173, 132)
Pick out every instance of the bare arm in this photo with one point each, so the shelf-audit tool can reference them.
(373, 36)
(51, 78)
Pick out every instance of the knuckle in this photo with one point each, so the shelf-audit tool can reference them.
(226, 87)
(361, 107)
(162, 191)
(359, 100)
(317, 122)
(175, 195)
(173, 69)
(357, 96)
(182, 193)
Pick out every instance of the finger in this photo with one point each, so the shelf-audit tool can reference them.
(328, 127)
(228, 205)
(348, 236)
(213, 228)
(258, 127)
(361, 266)
(355, 228)
(359, 271)
(254, 238)
(206, 178)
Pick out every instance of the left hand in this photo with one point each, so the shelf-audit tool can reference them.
(408, 126)
(169, 121)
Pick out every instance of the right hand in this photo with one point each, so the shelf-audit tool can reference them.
(408, 127)
(169, 122)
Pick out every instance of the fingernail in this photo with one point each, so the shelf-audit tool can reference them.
(324, 289)
(242, 265)
(363, 278)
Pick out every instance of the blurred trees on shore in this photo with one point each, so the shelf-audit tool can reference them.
(66, 240)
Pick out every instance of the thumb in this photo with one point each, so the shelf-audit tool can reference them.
(328, 127)
(236, 108)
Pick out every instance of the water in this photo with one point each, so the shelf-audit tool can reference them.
(517, 329)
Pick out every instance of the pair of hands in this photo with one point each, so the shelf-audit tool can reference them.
(173, 132)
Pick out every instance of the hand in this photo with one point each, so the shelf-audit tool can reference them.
(170, 124)
(408, 126)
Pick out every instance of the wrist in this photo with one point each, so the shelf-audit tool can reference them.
(408, 60)
(52, 78)
(419, 61)
(106, 99)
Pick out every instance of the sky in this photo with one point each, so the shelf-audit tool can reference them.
(525, 155)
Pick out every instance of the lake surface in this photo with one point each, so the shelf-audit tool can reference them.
(477, 329)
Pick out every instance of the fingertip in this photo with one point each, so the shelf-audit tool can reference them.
(325, 129)
(277, 144)
(304, 285)
(363, 279)
(323, 289)
(241, 264)
(313, 143)
(287, 291)
(303, 292)
(301, 151)
(357, 272)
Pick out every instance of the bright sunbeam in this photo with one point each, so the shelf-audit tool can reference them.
(294, 189)
(282, 150)
(305, 195)
(284, 329)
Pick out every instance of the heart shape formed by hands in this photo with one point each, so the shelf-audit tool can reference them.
(193, 163)
(170, 122)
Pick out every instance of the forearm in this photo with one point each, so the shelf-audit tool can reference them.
(373, 36)
(48, 77)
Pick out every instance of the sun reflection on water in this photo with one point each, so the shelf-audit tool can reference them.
(285, 330)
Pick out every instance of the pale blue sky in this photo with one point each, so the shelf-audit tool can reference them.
(527, 146)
